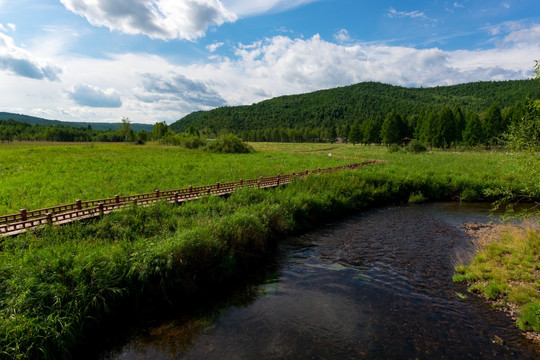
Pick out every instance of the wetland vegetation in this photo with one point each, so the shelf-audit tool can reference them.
(59, 284)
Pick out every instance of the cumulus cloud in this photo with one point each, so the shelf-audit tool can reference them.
(162, 19)
(177, 91)
(19, 62)
(91, 96)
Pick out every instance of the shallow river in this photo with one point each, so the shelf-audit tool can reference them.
(376, 285)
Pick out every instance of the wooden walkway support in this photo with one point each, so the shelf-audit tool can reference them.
(25, 220)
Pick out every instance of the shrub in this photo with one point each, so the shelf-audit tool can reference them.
(394, 148)
(416, 147)
(230, 144)
(193, 142)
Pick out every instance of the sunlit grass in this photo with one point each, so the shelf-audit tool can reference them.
(509, 272)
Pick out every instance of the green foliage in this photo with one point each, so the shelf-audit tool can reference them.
(494, 125)
(346, 105)
(505, 272)
(32, 120)
(416, 147)
(59, 282)
(229, 144)
(159, 130)
(524, 133)
(474, 131)
(355, 135)
(393, 128)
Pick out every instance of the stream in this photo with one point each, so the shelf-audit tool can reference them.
(376, 285)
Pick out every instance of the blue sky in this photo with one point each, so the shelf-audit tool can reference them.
(158, 60)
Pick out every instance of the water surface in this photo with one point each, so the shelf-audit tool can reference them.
(376, 285)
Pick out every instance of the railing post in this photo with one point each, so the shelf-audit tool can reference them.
(241, 182)
(116, 199)
(157, 193)
(100, 208)
(190, 189)
(208, 191)
(79, 204)
(176, 198)
(217, 185)
(24, 215)
(49, 218)
(135, 201)
(278, 178)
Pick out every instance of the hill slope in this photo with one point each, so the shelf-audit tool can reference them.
(346, 105)
(32, 120)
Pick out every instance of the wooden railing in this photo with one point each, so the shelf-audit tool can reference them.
(24, 220)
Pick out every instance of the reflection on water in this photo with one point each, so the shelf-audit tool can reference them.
(377, 285)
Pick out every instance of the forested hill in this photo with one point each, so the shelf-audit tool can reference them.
(356, 104)
(32, 120)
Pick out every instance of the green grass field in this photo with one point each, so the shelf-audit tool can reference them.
(35, 175)
(58, 284)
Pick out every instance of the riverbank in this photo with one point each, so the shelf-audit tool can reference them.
(506, 271)
(60, 285)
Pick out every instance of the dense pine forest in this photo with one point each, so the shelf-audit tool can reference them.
(470, 114)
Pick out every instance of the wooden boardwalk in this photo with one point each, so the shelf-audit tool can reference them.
(24, 220)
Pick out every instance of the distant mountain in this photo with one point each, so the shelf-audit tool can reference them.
(32, 120)
(357, 103)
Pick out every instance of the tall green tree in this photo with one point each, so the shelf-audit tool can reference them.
(160, 129)
(355, 134)
(493, 124)
(473, 134)
(444, 134)
(393, 128)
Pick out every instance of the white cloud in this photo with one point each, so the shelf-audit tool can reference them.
(176, 91)
(13, 27)
(19, 62)
(523, 37)
(458, 5)
(161, 19)
(245, 8)
(153, 88)
(415, 14)
(92, 96)
(342, 36)
(213, 47)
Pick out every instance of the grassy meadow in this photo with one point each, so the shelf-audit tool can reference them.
(37, 175)
(58, 285)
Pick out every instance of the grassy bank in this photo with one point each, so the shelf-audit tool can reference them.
(59, 284)
(507, 272)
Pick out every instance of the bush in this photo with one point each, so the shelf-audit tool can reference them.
(230, 144)
(416, 147)
(394, 148)
(193, 142)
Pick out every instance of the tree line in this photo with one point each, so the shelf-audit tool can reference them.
(12, 130)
